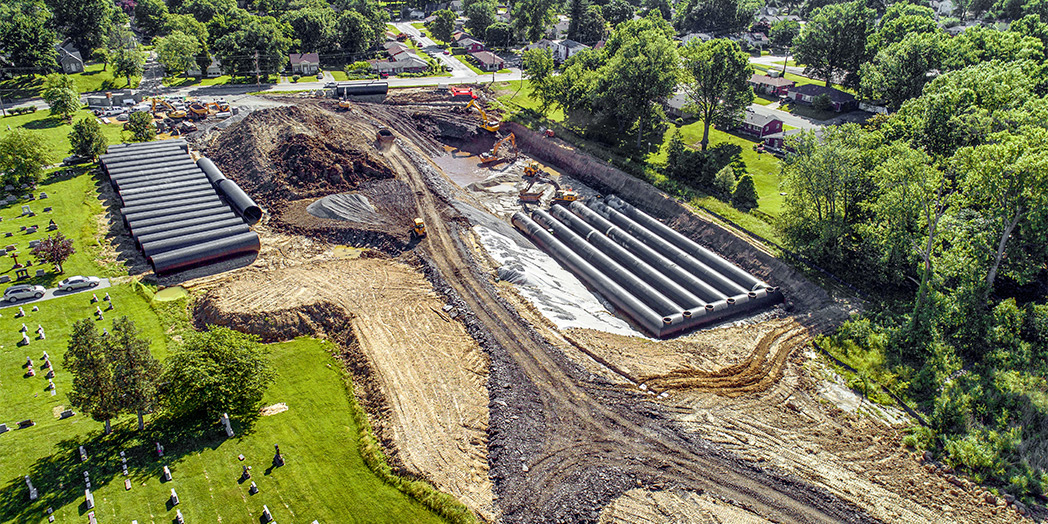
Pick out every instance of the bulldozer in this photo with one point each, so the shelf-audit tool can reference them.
(489, 124)
(492, 156)
(559, 194)
(419, 229)
(533, 168)
(344, 104)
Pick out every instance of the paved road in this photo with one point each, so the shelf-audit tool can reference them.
(458, 69)
(55, 293)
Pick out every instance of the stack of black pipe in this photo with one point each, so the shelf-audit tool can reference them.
(181, 213)
(664, 281)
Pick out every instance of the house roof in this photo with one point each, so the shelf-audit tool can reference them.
(835, 95)
(759, 120)
(410, 60)
(487, 57)
(459, 35)
(468, 42)
(571, 44)
(544, 43)
(304, 58)
(758, 78)
(68, 53)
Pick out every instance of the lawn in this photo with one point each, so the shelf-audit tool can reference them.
(339, 75)
(92, 79)
(509, 96)
(55, 131)
(764, 100)
(183, 81)
(325, 476)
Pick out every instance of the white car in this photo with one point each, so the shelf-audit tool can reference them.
(77, 282)
(22, 291)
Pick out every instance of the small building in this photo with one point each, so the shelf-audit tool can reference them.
(677, 104)
(395, 48)
(304, 63)
(758, 40)
(769, 85)
(701, 37)
(488, 61)
(807, 93)
(760, 125)
(416, 14)
(777, 141)
(402, 63)
(69, 59)
(123, 98)
(213, 71)
(470, 45)
(569, 48)
(559, 29)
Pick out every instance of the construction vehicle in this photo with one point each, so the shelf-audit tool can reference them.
(197, 110)
(462, 93)
(218, 106)
(493, 155)
(419, 230)
(172, 112)
(490, 124)
(344, 104)
(533, 168)
(559, 194)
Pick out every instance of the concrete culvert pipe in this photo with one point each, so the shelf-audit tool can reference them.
(201, 253)
(206, 220)
(240, 201)
(174, 201)
(141, 153)
(157, 176)
(173, 209)
(643, 315)
(177, 179)
(697, 286)
(688, 245)
(140, 146)
(170, 244)
(139, 223)
(165, 234)
(117, 173)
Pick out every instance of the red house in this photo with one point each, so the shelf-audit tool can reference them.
(770, 85)
(760, 125)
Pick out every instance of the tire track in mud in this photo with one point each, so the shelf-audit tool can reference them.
(559, 450)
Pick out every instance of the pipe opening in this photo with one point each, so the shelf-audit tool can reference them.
(709, 307)
(751, 294)
(730, 301)
(687, 314)
(667, 320)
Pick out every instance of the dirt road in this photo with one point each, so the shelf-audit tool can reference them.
(562, 446)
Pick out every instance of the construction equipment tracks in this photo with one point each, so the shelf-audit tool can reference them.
(562, 444)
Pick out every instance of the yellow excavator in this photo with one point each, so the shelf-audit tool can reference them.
(172, 112)
(490, 124)
(559, 194)
(219, 106)
(493, 155)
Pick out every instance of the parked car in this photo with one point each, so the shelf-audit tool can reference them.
(77, 282)
(23, 291)
(330, 85)
(73, 160)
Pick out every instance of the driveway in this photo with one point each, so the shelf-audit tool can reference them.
(55, 293)
(789, 119)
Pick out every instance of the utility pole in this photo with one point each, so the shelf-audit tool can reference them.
(2, 110)
(258, 83)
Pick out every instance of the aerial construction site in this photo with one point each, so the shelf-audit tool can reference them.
(538, 334)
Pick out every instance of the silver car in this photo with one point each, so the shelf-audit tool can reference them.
(23, 291)
(77, 282)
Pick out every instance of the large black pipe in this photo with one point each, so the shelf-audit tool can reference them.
(171, 210)
(136, 146)
(170, 244)
(205, 220)
(200, 182)
(211, 170)
(148, 164)
(187, 192)
(142, 153)
(200, 227)
(240, 201)
(181, 201)
(136, 224)
(131, 176)
(622, 299)
(153, 156)
(639, 288)
(724, 284)
(198, 254)
(162, 179)
(641, 268)
(690, 282)
(688, 245)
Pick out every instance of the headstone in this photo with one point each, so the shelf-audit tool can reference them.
(127, 482)
(4, 279)
(3, 428)
(43, 195)
(83, 454)
(167, 474)
(253, 489)
(178, 517)
(27, 423)
(278, 459)
(23, 228)
(30, 230)
(40, 273)
(94, 298)
(67, 413)
(266, 515)
(8, 234)
(21, 312)
(50, 385)
(124, 468)
(225, 422)
(159, 450)
(174, 497)
(25, 342)
(9, 248)
(110, 308)
(246, 474)
(50, 373)
(28, 361)
(47, 362)
(33, 243)
(52, 223)
(90, 499)
(23, 329)
(91, 516)
(46, 356)
(25, 210)
(32, 491)
(106, 298)
(48, 210)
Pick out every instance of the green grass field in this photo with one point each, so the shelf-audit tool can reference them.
(54, 130)
(325, 476)
(92, 79)
(475, 69)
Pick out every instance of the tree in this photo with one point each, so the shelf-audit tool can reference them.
(481, 15)
(354, 32)
(724, 182)
(177, 51)
(532, 18)
(374, 15)
(717, 82)
(538, 69)
(499, 34)
(94, 385)
(900, 21)
(86, 139)
(617, 12)
(832, 45)
(61, 95)
(140, 127)
(206, 10)
(260, 37)
(1031, 25)
(128, 63)
(745, 196)
(442, 25)
(22, 157)
(151, 16)
(136, 373)
(85, 22)
(54, 250)
(26, 37)
(721, 16)
(316, 28)
(214, 372)
(784, 32)
(590, 27)
(978, 45)
(900, 72)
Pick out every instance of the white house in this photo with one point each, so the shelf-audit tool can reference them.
(702, 37)
(70, 60)
(304, 63)
(560, 49)
(214, 70)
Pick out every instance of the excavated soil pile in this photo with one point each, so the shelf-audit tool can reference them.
(290, 153)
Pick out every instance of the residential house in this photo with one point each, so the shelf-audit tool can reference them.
(675, 105)
(471, 45)
(544, 43)
(488, 61)
(806, 94)
(213, 71)
(69, 59)
(769, 85)
(777, 141)
(416, 14)
(396, 48)
(759, 125)
(758, 40)
(456, 6)
(305, 63)
(559, 29)
(125, 98)
(403, 63)
(701, 37)
(569, 48)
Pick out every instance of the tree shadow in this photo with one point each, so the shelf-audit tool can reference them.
(50, 122)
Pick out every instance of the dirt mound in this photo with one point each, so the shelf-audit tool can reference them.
(290, 153)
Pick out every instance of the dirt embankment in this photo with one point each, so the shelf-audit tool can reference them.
(423, 378)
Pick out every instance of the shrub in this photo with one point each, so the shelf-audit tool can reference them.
(822, 103)
(294, 79)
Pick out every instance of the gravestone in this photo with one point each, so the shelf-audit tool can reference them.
(66, 414)
(111, 307)
(253, 489)
(35, 309)
(167, 474)
(50, 373)
(83, 454)
(4, 279)
(27, 423)
(124, 468)
(21, 273)
(91, 516)
(106, 298)
(159, 450)
(246, 474)
(9, 248)
(23, 228)
(174, 497)
(26, 210)
(278, 459)
(46, 356)
(8, 234)
(127, 482)
(225, 420)
(48, 210)
(89, 499)
(33, 243)
(25, 342)
(266, 515)
(32, 491)
(28, 361)
(178, 517)
(43, 195)
(3, 428)
(41, 272)
(50, 385)
(30, 230)
(51, 223)
(47, 362)
(94, 298)
(21, 312)
(23, 329)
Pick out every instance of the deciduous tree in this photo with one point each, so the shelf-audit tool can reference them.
(54, 250)
(499, 34)
(94, 385)
(532, 18)
(85, 22)
(259, 42)
(128, 63)
(177, 51)
(900, 72)
(442, 25)
(784, 32)
(832, 45)
(717, 82)
(22, 157)
(136, 374)
(315, 28)
(721, 16)
(61, 95)
(140, 127)
(86, 138)
(26, 37)
(480, 16)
